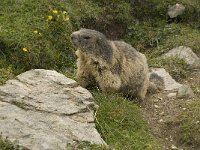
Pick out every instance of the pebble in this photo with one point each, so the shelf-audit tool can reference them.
(185, 92)
(162, 113)
(156, 106)
(156, 100)
(174, 147)
(171, 95)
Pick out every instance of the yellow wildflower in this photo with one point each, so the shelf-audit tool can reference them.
(35, 31)
(55, 11)
(24, 49)
(49, 18)
(65, 18)
(64, 12)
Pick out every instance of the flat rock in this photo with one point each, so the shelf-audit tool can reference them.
(176, 10)
(185, 53)
(42, 109)
(172, 95)
(161, 76)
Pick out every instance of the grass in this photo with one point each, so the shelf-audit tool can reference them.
(182, 35)
(189, 128)
(7, 145)
(177, 68)
(121, 124)
(5, 74)
(49, 47)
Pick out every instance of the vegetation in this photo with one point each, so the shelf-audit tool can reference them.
(177, 68)
(121, 124)
(189, 128)
(36, 34)
(7, 145)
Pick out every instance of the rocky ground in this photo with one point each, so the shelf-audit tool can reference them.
(162, 110)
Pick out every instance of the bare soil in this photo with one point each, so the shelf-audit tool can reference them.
(161, 113)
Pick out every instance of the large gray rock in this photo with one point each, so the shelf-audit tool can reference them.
(44, 110)
(176, 10)
(185, 53)
(161, 76)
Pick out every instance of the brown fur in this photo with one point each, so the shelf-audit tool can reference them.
(114, 66)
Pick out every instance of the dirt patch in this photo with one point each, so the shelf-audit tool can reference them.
(161, 113)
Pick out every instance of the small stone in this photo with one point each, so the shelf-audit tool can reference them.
(197, 122)
(161, 120)
(171, 139)
(176, 10)
(156, 100)
(174, 147)
(184, 108)
(156, 106)
(171, 95)
(169, 84)
(162, 113)
(185, 92)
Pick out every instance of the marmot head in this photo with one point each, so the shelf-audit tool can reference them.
(93, 42)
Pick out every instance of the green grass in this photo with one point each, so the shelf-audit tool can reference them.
(5, 74)
(7, 145)
(25, 24)
(121, 124)
(189, 128)
(49, 48)
(182, 35)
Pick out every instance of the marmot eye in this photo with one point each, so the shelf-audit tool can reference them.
(86, 37)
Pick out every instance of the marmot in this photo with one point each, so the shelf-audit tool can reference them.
(114, 66)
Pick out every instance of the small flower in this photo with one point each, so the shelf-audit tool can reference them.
(35, 31)
(64, 12)
(55, 11)
(65, 18)
(24, 49)
(49, 18)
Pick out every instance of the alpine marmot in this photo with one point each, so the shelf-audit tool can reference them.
(114, 66)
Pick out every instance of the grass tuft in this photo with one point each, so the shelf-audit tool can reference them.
(7, 145)
(121, 124)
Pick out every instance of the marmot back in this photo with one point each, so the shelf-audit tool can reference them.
(114, 66)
